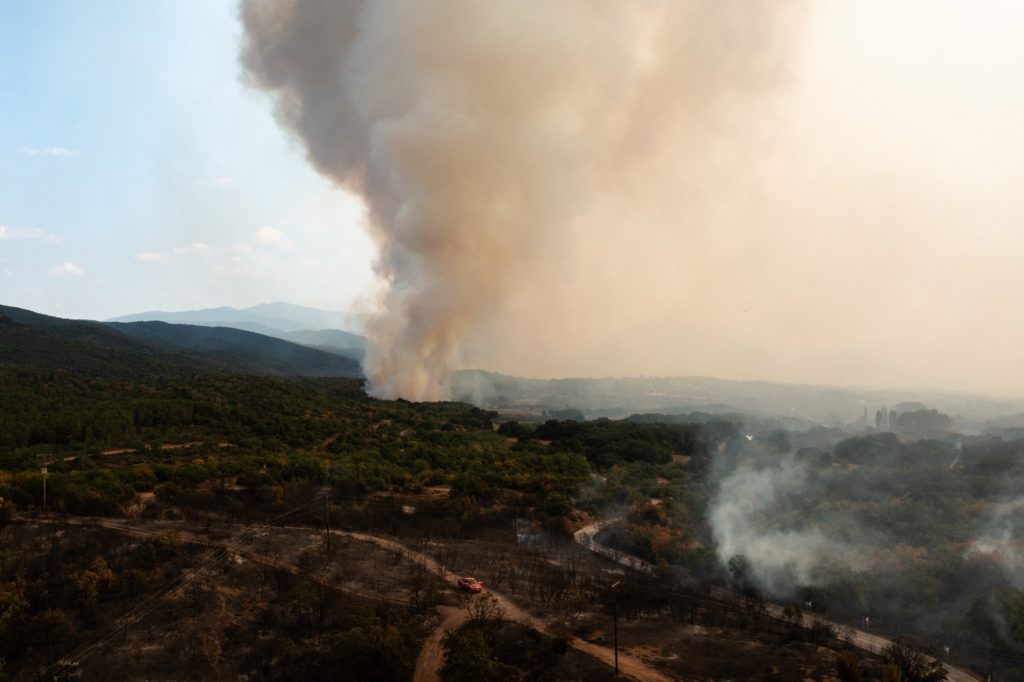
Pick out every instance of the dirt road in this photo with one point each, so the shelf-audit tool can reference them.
(431, 656)
(629, 666)
(587, 537)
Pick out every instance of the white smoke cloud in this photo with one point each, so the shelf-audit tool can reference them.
(749, 517)
(485, 136)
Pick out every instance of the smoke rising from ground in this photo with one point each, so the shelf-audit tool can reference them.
(486, 137)
(748, 518)
(998, 540)
(806, 192)
(877, 525)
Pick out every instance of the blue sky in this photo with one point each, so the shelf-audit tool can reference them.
(137, 171)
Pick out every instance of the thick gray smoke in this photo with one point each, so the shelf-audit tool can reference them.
(480, 131)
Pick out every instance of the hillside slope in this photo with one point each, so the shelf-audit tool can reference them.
(134, 350)
(320, 329)
(254, 353)
(28, 339)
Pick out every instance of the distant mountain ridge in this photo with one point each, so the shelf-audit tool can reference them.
(283, 317)
(330, 331)
(134, 349)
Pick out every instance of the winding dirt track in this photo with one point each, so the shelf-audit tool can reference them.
(431, 656)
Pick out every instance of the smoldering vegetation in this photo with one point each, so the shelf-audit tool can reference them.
(901, 535)
(910, 536)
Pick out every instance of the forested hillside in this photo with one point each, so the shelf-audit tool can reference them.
(131, 350)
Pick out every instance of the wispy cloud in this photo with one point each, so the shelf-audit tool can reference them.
(66, 268)
(8, 233)
(308, 263)
(273, 237)
(252, 266)
(177, 252)
(48, 151)
(218, 182)
(195, 247)
(60, 151)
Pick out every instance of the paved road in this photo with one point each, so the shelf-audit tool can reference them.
(868, 641)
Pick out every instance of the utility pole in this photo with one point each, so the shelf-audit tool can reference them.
(615, 624)
(615, 629)
(45, 471)
(124, 568)
(327, 521)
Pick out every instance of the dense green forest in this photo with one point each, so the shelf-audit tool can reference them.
(105, 441)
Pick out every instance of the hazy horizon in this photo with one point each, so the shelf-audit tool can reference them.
(908, 392)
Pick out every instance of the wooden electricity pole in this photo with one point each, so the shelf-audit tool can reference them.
(615, 624)
(615, 629)
(44, 468)
(327, 521)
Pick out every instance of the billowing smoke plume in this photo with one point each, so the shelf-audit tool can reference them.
(485, 134)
